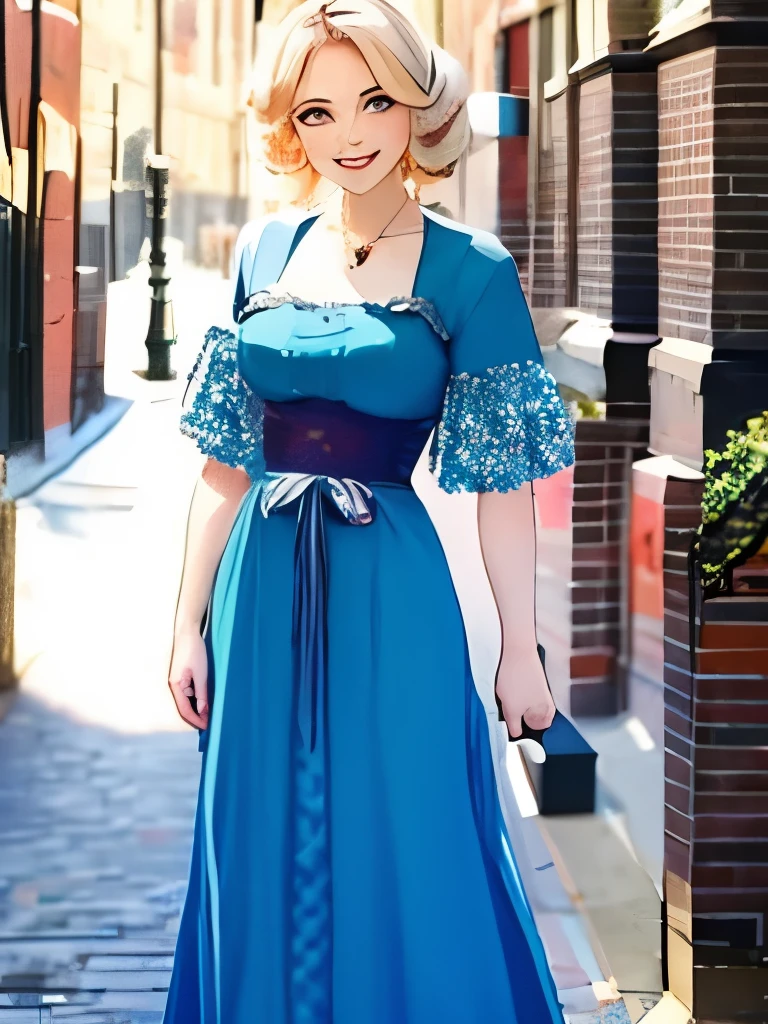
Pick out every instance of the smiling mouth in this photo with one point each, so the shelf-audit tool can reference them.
(357, 163)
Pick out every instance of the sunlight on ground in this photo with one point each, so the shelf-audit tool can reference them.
(99, 559)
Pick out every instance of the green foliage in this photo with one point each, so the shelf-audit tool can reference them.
(590, 410)
(745, 454)
(733, 503)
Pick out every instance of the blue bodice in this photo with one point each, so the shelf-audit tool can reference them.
(336, 385)
(374, 359)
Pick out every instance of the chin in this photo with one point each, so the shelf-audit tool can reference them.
(358, 182)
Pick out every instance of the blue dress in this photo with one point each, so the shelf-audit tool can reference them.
(351, 864)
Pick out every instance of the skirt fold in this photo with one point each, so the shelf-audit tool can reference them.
(427, 918)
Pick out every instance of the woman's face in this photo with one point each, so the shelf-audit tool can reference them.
(353, 133)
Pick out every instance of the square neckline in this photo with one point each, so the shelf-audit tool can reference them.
(303, 230)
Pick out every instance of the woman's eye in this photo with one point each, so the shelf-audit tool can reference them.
(377, 104)
(315, 115)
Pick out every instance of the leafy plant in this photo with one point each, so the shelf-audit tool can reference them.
(734, 504)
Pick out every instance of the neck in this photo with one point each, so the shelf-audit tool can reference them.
(368, 213)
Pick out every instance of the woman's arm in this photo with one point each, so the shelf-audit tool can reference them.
(214, 505)
(508, 540)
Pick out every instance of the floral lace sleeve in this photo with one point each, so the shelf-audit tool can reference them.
(500, 429)
(504, 421)
(224, 417)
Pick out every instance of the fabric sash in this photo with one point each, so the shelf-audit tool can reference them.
(310, 952)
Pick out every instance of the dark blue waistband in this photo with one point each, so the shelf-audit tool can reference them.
(327, 438)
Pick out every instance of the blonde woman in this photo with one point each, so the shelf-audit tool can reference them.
(351, 863)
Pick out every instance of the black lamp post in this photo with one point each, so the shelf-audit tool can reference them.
(161, 334)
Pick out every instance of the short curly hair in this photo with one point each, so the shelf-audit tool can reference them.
(413, 71)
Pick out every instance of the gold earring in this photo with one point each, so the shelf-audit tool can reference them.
(405, 165)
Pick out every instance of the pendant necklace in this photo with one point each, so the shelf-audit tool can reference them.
(362, 252)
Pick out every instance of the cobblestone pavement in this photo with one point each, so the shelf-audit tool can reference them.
(95, 837)
(95, 832)
(98, 775)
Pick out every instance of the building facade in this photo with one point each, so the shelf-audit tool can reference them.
(636, 206)
(91, 88)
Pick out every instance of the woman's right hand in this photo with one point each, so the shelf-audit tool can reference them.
(188, 677)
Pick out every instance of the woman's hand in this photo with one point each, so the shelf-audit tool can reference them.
(188, 677)
(522, 689)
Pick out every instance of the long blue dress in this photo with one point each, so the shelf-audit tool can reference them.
(351, 864)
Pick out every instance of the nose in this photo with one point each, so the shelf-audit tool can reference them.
(355, 132)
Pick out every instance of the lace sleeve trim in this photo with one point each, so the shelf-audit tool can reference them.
(224, 418)
(501, 429)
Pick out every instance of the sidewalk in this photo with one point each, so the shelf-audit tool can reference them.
(200, 297)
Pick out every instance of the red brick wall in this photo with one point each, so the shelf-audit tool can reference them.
(513, 158)
(716, 780)
(59, 87)
(605, 451)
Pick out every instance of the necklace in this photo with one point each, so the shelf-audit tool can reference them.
(362, 252)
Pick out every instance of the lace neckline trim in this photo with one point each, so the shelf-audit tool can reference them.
(266, 300)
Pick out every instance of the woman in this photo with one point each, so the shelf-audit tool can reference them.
(350, 862)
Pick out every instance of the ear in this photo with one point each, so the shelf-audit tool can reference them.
(283, 151)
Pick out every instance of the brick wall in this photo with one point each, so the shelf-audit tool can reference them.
(617, 200)
(605, 451)
(713, 197)
(686, 204)
(635, 278)
(595, 224)
(740, 300)
(716, 785)
(513, 201)
(548, 277)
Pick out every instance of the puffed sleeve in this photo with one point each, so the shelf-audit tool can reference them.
(504, 421)
(222, 414)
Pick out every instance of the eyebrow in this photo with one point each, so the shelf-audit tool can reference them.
(374, 88)
(315, 99)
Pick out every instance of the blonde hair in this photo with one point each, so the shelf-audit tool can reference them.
(414, 72)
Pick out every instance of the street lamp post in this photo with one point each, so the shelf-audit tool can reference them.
(161, 334)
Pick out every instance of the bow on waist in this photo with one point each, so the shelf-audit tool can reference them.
(354, 500)
(355, 504)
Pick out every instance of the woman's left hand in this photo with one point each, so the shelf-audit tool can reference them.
(522, 688)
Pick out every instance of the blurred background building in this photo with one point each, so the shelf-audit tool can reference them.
(90, 89)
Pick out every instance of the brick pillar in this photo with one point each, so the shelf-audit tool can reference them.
(713, 220)
(605, 451)
(713, 281)
(716, 786)
(682, 513)
(547, 276)
(616, 279)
